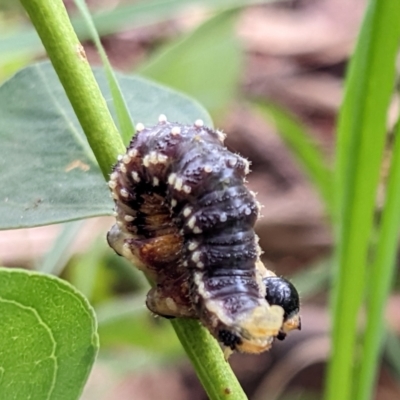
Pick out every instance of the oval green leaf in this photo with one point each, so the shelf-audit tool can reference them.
(48, 171)
(48, 338)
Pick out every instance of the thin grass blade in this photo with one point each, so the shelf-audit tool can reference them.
(124, 118)
(361, 138)
(381, 278)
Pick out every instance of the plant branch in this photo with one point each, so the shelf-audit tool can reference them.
(67, 55)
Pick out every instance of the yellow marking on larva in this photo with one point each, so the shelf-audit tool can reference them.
(114, 176)
(173, 203)
(128, 218)
(124, 193)
(146, 161)
(162, 158)
(153, 157)
(126, 159)
(115, 196)
(196, 256)
(172, 178)
(162, 119)
(208, 169)
(112, 184)
(156, 181)
(122, 168)
(170, 303)
(200, 265)
(187, 189)
(191, 222)
(187, 211)
(132, 153)
(196, 229)
(178, 184)
(135, 176)
(139, 127)
(176, 131)
(193, 246)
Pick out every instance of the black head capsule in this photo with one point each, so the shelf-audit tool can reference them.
(282, 293)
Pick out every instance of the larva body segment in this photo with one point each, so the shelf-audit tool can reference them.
(186, 219)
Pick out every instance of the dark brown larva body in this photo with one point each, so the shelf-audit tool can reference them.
(185, 217)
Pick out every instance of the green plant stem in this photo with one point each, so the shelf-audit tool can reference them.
(213, 371)
(124, 119)
(52, 23)
(69, 60)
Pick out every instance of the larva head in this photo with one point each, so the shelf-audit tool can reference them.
(254, 331)
(281, 292)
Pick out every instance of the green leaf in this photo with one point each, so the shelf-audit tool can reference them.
(48, 171)
(205, 64)
(48, 339)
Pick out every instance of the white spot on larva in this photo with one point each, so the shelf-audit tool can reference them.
(246, 166)
(122, 168)
(173, 203)
(193, 246)
(196, 229)
(223, 217)
(153, 157)
(156, 181)
(119, 157)
(135, 176)
(221, 136)
(187, 189)
(114, 176)
(247, 211)
(115, 196)
(208, 169)
(187, 211)
(120, 224)
(191, 222)
(176, 130)
(232, 162)
(200, 265)
(198, 278)
(124, 192)
(126, 159)
(132, 153)
(185, 263)
(139, 127)
(196, 256)
(171, 178)
(162, 158)
(112, 184)
(162, 119)
(129, 218)
(115, 214)
(146, 161)
(178, 184)
(198, 123)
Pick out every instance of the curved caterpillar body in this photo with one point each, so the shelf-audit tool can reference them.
(186, 219)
